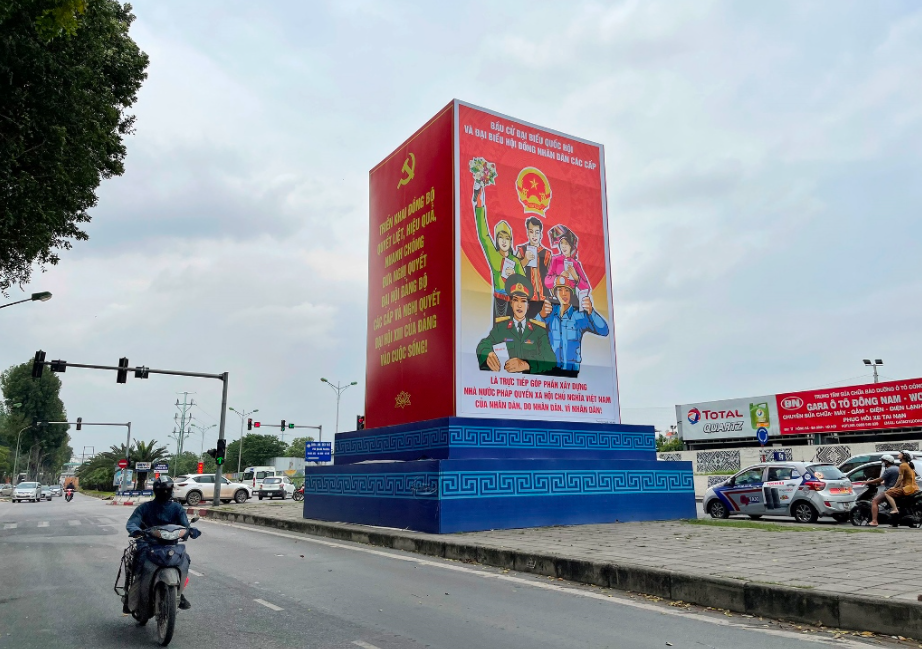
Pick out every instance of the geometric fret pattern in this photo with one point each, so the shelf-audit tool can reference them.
(499, 437)
(499, 484)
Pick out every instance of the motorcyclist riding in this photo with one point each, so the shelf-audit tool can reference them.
(162, 510)
(905, 484)
(70, 486)
(889, 477)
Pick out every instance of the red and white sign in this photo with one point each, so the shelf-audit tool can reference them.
(123, 463)
(875, 406)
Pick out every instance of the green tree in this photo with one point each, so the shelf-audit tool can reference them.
(99, 472)
(666, 445)
(296, 448)
(187, 463)
(43, 450)
(69, 73)
(257, 449)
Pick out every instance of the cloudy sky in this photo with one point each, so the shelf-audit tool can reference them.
(763, 171)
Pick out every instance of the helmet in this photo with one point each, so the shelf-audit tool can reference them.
(163, 488)
(888, 459)
(502, 229)
(907, 455)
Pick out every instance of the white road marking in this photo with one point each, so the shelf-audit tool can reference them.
(196, 573)
(364, 645)
(43, 524)
(10, 526)
(106, 521)
(73, 523)
(568, 590)
(268, 605)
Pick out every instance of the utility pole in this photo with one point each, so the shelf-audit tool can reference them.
(183, 408)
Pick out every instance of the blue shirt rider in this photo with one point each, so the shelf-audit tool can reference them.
(566, 326)
(162, 510)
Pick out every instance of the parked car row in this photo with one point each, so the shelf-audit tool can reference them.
(803, 490)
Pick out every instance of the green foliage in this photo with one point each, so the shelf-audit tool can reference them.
(99, 472)
(187, 463)
(666, 445)
(257, 449)
(43, 450)
(69, 72)
(296, 448)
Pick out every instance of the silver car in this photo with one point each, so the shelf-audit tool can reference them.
(56, 490)
(6, 490)
(31, 491)
(859, 477)
(804, 490)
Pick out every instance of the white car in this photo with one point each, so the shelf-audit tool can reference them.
(276, 487)
(31, 491)
(195, 488)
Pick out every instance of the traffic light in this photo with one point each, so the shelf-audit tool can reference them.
(58, 366)
(38, 365)
(291, 425)
(122, 374)
(256, 424)
(213, 452)
(79, 422)
(249, 424)
(283, 424)
(360, 422)
(219, 455)
(141, 372)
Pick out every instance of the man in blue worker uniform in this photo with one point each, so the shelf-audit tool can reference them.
(566, 326)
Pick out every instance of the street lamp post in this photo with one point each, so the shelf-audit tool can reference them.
(338, 389)
(16, 457)
(44, 296)
(877, 363)
(202, 430)
(243, 415)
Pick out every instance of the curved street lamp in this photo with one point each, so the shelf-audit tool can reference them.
(243, 415)
(43, 296)
(338, 389)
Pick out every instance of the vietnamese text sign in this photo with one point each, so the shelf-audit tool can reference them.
(142, 466)
(318, 451)
(728, 419)
(875, 406)
(161, 467)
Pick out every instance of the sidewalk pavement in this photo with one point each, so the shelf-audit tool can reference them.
(839, 575)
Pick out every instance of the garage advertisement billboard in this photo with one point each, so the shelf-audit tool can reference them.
(876, 406)
(729, 419)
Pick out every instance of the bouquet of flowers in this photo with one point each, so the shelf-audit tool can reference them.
(484, 172)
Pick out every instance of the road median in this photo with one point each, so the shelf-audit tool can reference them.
(807, 605)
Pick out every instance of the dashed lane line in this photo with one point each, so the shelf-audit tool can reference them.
(195, 572)
(364, 645)
(73, 523)
(268, 605)
(43, 524)
(10, 526)
(568, 590)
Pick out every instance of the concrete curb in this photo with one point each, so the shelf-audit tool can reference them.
(842, 611)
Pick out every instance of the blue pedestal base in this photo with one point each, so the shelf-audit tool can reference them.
(445, 496)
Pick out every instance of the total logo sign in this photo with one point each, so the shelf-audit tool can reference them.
(695, 415)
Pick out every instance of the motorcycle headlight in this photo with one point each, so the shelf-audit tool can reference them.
(170, 536)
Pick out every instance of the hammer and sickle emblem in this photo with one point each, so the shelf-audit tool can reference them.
(409, 168)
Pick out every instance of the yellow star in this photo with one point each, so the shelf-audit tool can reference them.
(534, 183)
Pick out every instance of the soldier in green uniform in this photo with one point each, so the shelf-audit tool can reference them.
(526, 340)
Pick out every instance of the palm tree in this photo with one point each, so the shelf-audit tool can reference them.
(147, 452)
(102, 466)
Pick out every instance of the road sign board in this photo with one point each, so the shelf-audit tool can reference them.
(762, 435)
(123, 463)
(318, 451)
(161, 467)
(142, 466)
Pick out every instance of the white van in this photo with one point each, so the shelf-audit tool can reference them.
(253, 476)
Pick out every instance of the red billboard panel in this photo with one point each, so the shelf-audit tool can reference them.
(409, 357)
(876, 406)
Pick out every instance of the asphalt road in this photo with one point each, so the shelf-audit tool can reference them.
(253, 587)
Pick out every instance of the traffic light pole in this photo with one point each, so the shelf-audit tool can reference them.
(142, 372)
(220, 466)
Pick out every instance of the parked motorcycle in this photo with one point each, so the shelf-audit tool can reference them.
(298, 495)
(153, 588)
(69, 495)
(910, 509)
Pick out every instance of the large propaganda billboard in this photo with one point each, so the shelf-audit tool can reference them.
(535, 328)
(489, 282)
(728, 419)
(409, 360)
(876, 406)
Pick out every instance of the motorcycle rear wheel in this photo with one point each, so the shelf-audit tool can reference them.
(165, 603)
(860, 516)
(297, 497)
